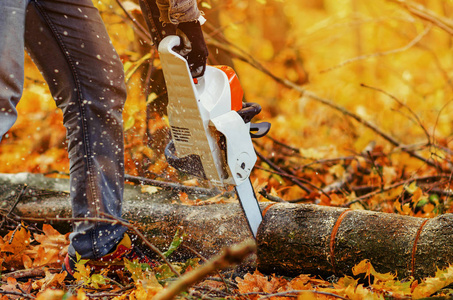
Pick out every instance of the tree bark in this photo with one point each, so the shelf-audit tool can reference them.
(313, 239)
(292, 239)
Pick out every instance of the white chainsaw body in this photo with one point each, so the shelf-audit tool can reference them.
(200, 113)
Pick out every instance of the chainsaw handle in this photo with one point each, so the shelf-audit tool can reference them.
(248, 111)
(258, 130)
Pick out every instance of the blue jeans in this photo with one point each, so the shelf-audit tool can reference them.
(68, 41)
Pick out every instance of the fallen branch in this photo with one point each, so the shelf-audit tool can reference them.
(23, 295)
(230, 256)
(395, 185)
(25, 273)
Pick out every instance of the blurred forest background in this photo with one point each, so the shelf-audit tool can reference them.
(359, 94)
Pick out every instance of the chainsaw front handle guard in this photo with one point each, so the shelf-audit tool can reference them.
(248, 111)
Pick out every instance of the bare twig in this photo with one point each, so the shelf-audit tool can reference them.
(417, 119)
(25, 273)
(369, 125)
(230, 256)
(24, 187)
(24, 295)
(402, 49)
(270, 197)
(289, 176)
(171, 185)
(283, 144)
(283, 173)
(142, 30)
(427, 15)
(205, 260)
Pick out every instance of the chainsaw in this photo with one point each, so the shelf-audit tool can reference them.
(211, 127)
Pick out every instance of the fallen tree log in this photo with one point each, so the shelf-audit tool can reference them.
(328, 240)
(292, 239)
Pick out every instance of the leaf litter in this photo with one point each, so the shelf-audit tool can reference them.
(21, 252)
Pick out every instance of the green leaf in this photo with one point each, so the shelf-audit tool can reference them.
(177, 240)
(164, 272)
(411, 188)
(129, 123)
(97, 279)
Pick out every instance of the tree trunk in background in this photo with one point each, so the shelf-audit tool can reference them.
(293, 238)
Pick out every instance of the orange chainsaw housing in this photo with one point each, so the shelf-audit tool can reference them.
(237, 92)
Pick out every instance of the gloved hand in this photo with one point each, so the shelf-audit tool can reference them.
(193, 47)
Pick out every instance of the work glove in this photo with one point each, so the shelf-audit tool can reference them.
(193, 47)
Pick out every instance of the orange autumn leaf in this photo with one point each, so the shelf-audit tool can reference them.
(185, 199)
(12, 248)
(51, 280)
(52, 247)
(258, 282)
(26, 260)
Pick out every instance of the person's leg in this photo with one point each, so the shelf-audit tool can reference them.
(69, 43)
(12, 25)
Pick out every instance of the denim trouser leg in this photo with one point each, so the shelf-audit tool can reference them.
(68, 42)
(12, 25)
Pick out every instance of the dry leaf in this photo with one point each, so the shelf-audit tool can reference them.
(51, 280)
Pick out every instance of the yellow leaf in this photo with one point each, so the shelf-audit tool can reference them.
(81, 295)
(150, 189)
(311, 153)
(431, 285)
(366, 267)
(337, 170)
(361, 293)
(151, 98)
(411, 188)
(389, 174)
(206, 5)
(50, 294)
